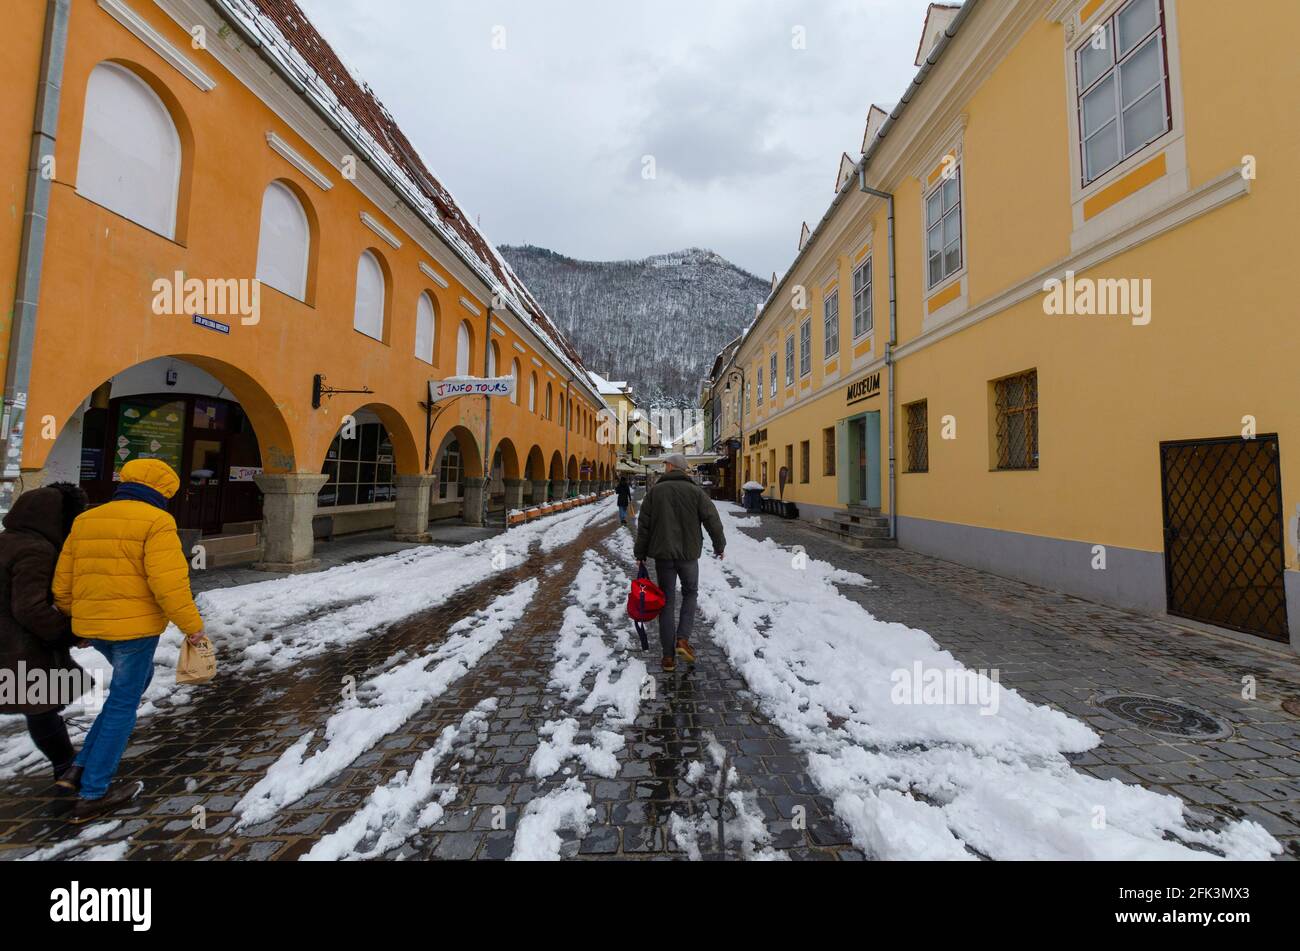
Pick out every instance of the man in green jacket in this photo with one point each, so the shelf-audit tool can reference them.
(668, 530)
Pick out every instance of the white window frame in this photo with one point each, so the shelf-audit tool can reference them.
(771, 372)
(1113, 73)
(298, 292)
(464, 349)
(864, 316)
(759, 383)
(426, 297)
(357, 316)
(957, 208)
(805, 348)
(86, 165)
(831, 324)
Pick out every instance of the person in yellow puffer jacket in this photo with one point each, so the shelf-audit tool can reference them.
(122, 576)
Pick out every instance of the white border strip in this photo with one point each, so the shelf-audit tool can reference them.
(433, 275)
(294, 158)
(371, 222)
(124, 15)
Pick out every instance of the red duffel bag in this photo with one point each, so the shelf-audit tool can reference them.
(644, 602)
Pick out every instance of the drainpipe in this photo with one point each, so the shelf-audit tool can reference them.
(889, 348)
(489, 455)
(31, 257)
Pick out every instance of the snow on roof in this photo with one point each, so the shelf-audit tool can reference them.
(609, 387)
(294, 43)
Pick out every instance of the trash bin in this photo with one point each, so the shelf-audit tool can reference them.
(754, 499)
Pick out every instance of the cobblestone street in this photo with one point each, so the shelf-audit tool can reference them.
(199, 761)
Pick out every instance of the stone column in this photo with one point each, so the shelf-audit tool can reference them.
(584, 487)
(514, 494)
(539, 491)
(472, 488)
(412, 524)
(288, 506)
(560, 489)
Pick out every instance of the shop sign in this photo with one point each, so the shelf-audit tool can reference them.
(146, 431)
(758, 437)
(244, 473)
(863, 389)
(470, 386)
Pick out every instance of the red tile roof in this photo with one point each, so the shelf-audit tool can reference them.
(370, 113)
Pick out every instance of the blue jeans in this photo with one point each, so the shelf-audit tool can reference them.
(132, 663)
(622, 513)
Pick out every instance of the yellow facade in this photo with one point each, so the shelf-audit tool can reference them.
(1198, 216)
(241, 128)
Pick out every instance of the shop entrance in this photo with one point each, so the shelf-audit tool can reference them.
(208, 441)
(1224, 549)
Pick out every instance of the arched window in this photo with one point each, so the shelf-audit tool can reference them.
(462, 350)
(517, 376)
(494, 359)
(368, 317)
(532, 393)
(425, 327)
(130, 159)
(284, 243)
(549, 404)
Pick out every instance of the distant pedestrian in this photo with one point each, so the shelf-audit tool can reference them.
(122, 577)
(35, 637)
(668, 530)
(624, 493)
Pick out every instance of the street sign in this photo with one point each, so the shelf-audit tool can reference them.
(470, 386)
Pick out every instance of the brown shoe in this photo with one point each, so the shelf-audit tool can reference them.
(88, 810)
(684, 651)
(69, 782)
(668, 663)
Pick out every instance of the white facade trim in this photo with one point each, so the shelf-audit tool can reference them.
(292, 156)
(371, 222)
(470, 306)
(151, 38)
(433, 275)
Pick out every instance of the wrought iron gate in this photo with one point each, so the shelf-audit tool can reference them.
(1224, 550)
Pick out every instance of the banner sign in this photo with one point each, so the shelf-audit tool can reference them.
(470, 386)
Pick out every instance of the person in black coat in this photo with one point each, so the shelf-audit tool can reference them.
(624, 493)
(34, 635)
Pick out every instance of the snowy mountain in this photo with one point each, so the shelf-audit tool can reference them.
(657, 323)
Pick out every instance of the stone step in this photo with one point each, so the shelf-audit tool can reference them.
(241, 528)
(854, 539)
(877, 528)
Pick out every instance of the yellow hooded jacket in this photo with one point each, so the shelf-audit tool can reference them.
(122, 574)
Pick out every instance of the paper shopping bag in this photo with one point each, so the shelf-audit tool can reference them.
(196, 665)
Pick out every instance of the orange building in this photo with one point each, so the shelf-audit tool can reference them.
(228, 256)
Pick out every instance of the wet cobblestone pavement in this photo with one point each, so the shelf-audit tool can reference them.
(208, 755)
(1066, 652)
(198, 762)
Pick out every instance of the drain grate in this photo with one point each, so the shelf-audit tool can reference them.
(1160, 715)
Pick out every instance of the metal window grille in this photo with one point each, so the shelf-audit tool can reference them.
(1017, 415)
(918, 437)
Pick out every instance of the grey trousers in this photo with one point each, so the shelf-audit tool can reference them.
(667, 573)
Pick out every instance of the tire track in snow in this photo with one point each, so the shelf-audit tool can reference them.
(383, 704)
(598, 681)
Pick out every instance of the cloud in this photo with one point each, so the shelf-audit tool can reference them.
(544, 140)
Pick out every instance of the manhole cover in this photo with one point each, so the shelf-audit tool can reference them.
(1170, 717)
(1292, 706)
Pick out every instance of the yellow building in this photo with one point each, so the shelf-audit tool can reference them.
(230, 257)
(1044, 327)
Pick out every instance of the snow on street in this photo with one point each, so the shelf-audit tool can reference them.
(491, 701)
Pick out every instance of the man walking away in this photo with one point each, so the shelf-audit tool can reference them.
(668, 530)
(624, 492)
(122, 576)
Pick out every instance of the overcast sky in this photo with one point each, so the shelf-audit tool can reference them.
(545, 140)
